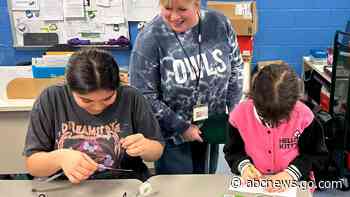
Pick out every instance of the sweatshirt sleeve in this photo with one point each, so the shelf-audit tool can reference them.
(234, 92)
(313, 152)
(144, 71)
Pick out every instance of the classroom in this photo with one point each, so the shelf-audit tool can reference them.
(167, 98)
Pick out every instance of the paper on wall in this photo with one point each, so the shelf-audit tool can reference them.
(113, 20)
(91, 27)
(117, 3)
(113, 14)
(75, 28)
(51, 10)
(141, 10)
(71, 19)
(142, 3)
(25, 4)
(105, 3)
(73, 8)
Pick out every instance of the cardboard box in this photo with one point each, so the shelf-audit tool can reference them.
(243, 15)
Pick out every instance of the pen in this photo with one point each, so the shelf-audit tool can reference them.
(253, 171)
(100, 166)
(48, 180)
(53, 177)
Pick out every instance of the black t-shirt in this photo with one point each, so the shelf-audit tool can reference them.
(56, 121)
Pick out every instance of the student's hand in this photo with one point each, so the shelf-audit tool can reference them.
(193, 134)
(135, 145)
(76, 165)
(282, 179)
(249, 172)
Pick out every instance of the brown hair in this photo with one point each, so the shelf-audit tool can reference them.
(92, 69)
(275, 90)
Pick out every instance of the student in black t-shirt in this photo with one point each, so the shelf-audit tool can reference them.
(91, 122)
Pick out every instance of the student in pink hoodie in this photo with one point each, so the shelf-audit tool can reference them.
(273, 133)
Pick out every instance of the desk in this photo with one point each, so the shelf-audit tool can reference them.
(195, 186)
(318, 68)
(91, 188)
(317, 83)
(14, 116)
(318, 86)
(13, 126)
(163, 186)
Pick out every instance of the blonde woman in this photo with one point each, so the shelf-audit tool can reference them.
(187, 63)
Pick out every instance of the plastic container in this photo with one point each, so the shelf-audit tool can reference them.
(47, 72)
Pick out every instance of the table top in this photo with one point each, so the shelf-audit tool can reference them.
(162, 186)
(90, 188)
(197, 185)
(190, 185)
(16, 105)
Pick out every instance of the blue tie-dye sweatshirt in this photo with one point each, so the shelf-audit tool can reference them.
(160, 68)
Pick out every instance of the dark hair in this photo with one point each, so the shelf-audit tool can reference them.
(92, 69)
(275, 90)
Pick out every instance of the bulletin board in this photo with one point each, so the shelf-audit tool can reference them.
(39, 23)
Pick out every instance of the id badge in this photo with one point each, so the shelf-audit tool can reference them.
(200, 112)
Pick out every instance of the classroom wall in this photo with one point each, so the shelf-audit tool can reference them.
(287, 30)
(10, 56)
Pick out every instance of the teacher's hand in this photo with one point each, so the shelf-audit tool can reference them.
(193, 134)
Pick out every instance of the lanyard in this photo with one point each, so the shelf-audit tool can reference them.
(199, 65)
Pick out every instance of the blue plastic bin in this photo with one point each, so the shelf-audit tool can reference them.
(47, 72)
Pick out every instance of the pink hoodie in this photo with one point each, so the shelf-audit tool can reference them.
(271, 149)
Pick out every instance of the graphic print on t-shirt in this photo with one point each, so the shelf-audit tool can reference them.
(101, 143)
